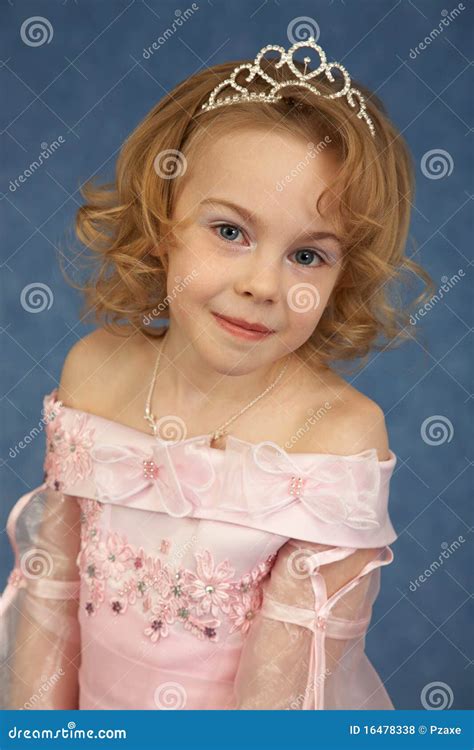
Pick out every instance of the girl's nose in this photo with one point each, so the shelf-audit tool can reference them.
(259, 278)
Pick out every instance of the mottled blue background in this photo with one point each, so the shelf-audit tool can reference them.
(91, 85)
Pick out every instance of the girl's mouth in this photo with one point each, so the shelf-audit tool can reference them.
(239, 331)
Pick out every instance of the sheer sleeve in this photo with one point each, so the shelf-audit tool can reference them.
(39, 628)
(305, 648)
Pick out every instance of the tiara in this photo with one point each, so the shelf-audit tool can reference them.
(301, 80)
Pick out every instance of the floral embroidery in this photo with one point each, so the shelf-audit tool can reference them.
(52, 462)
(77, 460)
(52, 407)
(68, 456)
(210, 586)
(199, 599)
(90, 513)
(245, 610)
(162, 616)
(113, 556)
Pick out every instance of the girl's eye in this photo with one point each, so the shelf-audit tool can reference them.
(230, 232)
(228, 236)
(308, 255)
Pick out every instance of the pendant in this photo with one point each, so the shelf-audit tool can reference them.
(216, 436)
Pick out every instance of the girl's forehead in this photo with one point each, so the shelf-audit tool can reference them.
(259, 168)
(258, 148)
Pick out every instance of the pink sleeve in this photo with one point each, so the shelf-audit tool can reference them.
(305, 648)
(39, 628)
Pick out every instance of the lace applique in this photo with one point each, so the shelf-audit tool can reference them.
(68, 456)
(123, 575)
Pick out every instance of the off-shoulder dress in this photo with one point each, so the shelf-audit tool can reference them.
(156, 574)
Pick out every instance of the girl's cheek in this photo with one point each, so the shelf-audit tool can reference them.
(305, 301)
(199, 256)
(304, 324)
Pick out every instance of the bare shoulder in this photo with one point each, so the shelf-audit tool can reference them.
(91, 365)
(346, 421)
(361, 425)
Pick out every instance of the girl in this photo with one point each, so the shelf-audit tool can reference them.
(213, 518)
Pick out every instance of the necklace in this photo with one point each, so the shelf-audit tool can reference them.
(150, 418)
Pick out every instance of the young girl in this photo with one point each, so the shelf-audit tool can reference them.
(213, 518)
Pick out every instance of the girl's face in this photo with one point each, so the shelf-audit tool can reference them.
(251, 247)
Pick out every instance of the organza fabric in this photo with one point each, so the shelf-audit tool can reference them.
(158, 575)
(306, 646)
(39, 628)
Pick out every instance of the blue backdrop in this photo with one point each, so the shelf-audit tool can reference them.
(79, 89)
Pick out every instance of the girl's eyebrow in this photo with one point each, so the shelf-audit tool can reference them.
(250, 216)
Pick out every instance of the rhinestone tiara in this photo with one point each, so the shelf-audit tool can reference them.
(353, 96)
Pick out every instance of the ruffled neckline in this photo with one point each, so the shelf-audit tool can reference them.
(52, 403)
(260, 485)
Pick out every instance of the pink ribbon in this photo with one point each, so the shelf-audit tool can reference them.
(272, 480)
(121, 473)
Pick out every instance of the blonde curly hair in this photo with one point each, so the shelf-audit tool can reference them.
(122, 222)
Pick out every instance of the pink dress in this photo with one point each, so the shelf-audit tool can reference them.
(153, 574)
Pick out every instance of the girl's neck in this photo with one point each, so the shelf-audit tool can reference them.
(190, 383)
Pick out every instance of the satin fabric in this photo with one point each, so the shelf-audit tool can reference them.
(161, 575)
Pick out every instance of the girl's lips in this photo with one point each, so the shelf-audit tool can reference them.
(243, 333)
